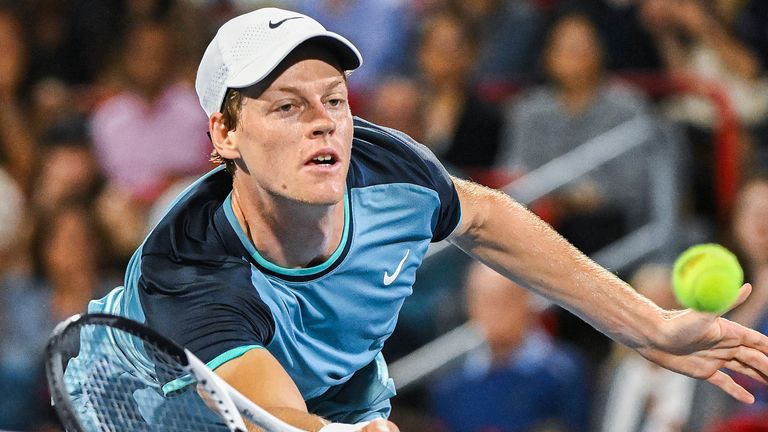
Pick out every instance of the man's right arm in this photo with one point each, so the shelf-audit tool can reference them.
(260, 377)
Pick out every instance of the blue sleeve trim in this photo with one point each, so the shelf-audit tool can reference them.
(230, 355)
(186, 380)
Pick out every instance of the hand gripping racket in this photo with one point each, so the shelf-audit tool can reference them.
(109, 373)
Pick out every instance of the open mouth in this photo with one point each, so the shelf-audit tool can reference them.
(323, 160)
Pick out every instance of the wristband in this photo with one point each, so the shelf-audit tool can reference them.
(344, 427)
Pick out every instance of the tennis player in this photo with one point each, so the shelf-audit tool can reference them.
(285, 268)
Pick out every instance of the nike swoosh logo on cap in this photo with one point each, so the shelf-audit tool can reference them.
(274, 25)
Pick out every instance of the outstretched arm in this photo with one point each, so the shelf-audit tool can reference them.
(508, 238)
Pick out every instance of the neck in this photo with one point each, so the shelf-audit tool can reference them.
(502, 351)
(447, 86)
(577, 98)
(288, 233)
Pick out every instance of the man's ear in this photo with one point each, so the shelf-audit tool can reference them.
(221, 137)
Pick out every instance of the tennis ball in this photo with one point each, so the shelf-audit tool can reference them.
(707, 278)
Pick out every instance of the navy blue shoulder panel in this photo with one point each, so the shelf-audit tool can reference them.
(195, 285)
(382, 155)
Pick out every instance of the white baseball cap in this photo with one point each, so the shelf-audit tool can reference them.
(250, 46)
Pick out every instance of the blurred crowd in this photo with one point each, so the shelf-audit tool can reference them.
(101, 128)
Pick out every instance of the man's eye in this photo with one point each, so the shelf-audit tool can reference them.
(285, 108)
(335, 102)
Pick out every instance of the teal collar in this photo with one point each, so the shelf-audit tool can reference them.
(263, 262)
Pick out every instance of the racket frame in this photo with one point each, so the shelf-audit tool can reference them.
(225, 399)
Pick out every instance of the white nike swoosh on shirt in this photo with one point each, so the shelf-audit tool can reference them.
(389, 279)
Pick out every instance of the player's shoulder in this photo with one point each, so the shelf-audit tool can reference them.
(384, 155)
(195, 223)
(374, 138)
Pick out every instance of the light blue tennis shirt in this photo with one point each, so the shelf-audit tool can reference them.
(199, 280)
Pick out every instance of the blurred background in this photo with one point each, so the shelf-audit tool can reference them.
(634, 127)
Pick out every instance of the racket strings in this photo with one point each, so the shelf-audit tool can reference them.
(120, 388)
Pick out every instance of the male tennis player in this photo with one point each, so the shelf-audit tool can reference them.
(285, 269)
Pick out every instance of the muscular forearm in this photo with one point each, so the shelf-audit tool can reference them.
(510, 239)
(259, 377)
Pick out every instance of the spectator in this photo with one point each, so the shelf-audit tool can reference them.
(20, 338)
(750, 239)
(750, 231)
(54, 29)
(66, 252)
(579, 104)
(628, 45)
(459, 128)
(396, 103)
(153, 130)
(379, 28)
(697, 37)
(520, 380)
(16, 141)
(67, 169)
(11, 222)
(508, 32)
(53, 101)
(74, 40)
(698, 40)
(124, 220)
(641, 396)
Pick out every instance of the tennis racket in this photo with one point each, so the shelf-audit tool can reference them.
(109, 373)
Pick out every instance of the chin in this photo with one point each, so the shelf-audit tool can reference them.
(324, 199)
(321, 196)
(327, 192)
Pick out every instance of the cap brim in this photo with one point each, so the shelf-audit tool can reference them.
(258, 69)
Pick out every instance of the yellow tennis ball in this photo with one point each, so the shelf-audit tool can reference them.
(707, 278)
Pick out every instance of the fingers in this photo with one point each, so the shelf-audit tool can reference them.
(753, 359)
(734, 334)
(750, 357)
(754, 339)
(728, 385)
(744, 292)
(745, 369)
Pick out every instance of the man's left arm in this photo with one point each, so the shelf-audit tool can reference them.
(507, 237)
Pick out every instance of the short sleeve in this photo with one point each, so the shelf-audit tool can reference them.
(208, 306)
(392, 156)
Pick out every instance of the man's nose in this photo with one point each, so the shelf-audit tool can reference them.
(322, 122)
